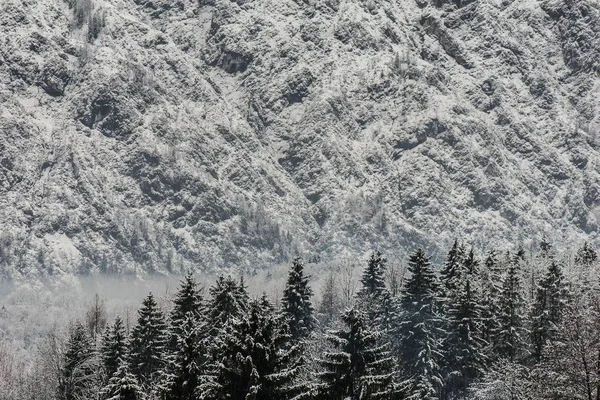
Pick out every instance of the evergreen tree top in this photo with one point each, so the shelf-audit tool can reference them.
(451, 270)
(187, 300)
(373, 282)
(586, 255)
(545, 248)
(422, 284)
(228, 300)
(296, 306)
(470, 263)
(123, 385)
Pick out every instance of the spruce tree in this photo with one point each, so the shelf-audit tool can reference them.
(79, 375)
(464, 355)
(373, 281)
(185, 369)
(228, 300)
(420, 330)
(122, 384)
(148, 343)
(296, 306)
(187, 303)
(113, 347)
(550, 301)
(585, 259)
(373, 297)
(451, 271)
(359, 367)
(586, 255)
(491, 284)
(250, 358)
(510, 340)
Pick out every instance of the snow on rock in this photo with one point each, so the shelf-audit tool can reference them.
(151, 137)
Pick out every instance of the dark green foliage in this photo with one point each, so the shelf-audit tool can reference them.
(452, 269)
(113, 347)
(148, 343)
(373, 282)
(510, 340)
(186, 304)
(187, 360)
(359, 367)
(122, 384)
(228, 300)
(420, 330)
(491, 286)
(296, 306)
(464, 345)
(250, 358)
(79, 372)
(550, 301)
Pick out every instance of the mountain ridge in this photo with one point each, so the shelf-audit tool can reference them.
(153, 137)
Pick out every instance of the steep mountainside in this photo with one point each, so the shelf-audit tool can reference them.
(156, 135)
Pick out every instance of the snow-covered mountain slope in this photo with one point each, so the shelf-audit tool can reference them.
(155, 135)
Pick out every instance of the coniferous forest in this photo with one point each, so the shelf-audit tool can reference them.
(510, 325)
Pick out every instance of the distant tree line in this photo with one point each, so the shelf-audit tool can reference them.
(509, 326)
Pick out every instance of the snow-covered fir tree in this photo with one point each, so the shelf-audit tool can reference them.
(183, 374)
(451, 270)
(464, 358)
(123, 385)
(420, 330)
(373, 297)
(250, 358)
(491, 287)
(373, 278)
(186, 332)
(510, 341)
(550, 301)
(148, 343)
(79, 372)
(228, 301)
(113, 347)
(187, 303)
(296, 306)
(359, 366)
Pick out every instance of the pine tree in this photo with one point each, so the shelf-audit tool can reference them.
(373, 281)
(491, 284)
(228, 300)
(296, 306)
(250, 358)
(464, 356)
(451, 271)
(78, 375)
(122, 384)
(113, 347)
(420, 330)
(585, 259)
(186, 332)
(187, 303)
(510, 340)
(550, 301)
(586, 255)
(185, 370)
(360, 366)
(373, 297)
(148, 343)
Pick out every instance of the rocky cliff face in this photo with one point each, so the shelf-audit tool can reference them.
(157, 135)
